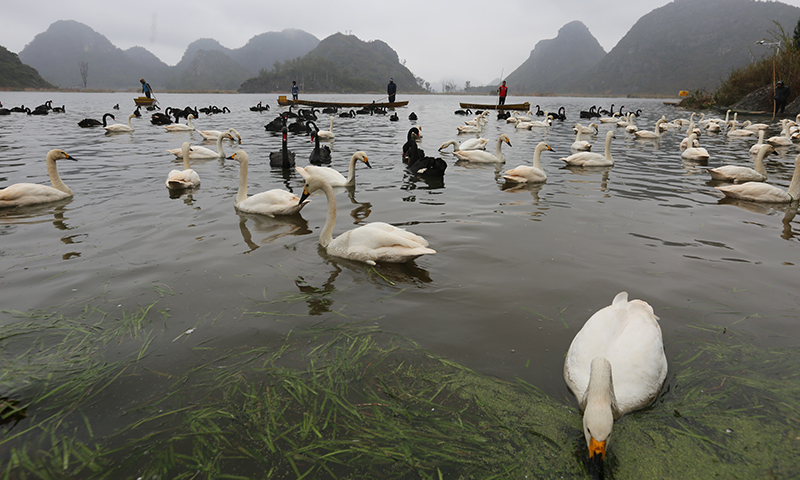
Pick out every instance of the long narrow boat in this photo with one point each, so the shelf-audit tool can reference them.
(283, 101)
(492, 106)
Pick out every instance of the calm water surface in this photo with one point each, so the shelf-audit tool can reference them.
(516, 273)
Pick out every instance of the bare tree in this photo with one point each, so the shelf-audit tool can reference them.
(84, 66)
(467, 85)
(449, 86)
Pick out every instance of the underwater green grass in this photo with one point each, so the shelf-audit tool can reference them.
(349, 401)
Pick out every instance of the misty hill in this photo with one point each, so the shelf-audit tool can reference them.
(57, 52)
(686, 45)
(342, 64)
(554, 64)
(16, 75)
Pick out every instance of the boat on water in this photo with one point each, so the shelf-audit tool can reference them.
(144, 101)
(284, 102)
(492, 106)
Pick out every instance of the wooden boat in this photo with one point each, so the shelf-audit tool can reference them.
(144, 101)
(492, 106)
(283, 101)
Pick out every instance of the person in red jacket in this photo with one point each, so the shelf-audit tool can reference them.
(502, 92)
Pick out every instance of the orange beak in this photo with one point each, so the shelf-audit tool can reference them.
(597, 448)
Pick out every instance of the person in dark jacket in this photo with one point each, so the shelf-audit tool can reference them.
(295, 90)
(391, 90)
(781, 96)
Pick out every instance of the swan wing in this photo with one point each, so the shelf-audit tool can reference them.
(271, 203)
(183, 179)
(474, 144)
(756, 192)
(475, 156)
(333, 177)
(586, 159)
(525, 174)
(735, 173)
(29, 194)
(379, 242)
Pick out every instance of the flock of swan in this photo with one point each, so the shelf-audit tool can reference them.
(616, 362)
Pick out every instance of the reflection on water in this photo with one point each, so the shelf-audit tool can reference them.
(271, 228)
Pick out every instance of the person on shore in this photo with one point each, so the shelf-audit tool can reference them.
(391, 90)
(295, 90)
(781, 96)
(501, 93)
(146, 88)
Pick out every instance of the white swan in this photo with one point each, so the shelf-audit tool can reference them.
(334, 178)
(199, 152)
(592, 159)
(186, 178)
(648, 134)
(757, 147)
(121, 127)
(480, 156)
(591, 129)
(214, 134)
(737, 174)
(615, 364)
(370, 243)
(685, 142)
(782, 140)
(764, 192)
(326, 135)
(738, 132)
(20, 194)
(580, 145)
(528, 174)
(470, 144)
(698, 154)
(179, 127)
(270, 203)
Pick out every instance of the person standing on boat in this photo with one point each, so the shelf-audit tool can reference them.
(502, 92)
(295, 90)
(781, 96)
(146, 88)
(391, 90)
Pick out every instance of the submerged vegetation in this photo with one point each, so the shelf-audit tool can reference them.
(100, 397)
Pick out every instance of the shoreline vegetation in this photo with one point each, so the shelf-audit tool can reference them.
(100, 395)
(750, 87)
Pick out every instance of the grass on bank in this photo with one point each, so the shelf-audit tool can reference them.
(352, 402)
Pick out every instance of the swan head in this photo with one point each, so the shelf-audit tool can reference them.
(233, 131)
(362, 157)
(240, 156)
(313, 183)
(57, 154)
(598, 413)
(542, 146)
(504, 138)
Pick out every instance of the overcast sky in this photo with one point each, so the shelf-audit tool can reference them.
(440, 40)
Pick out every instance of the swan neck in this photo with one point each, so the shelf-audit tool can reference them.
(241, 194)
(55, 178)
(326, 235)
(537, 157)
(351, 172)
(608, 146)
(794, 187)
(760, 168)
(219, 146)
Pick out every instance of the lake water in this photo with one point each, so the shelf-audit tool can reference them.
(517, 271)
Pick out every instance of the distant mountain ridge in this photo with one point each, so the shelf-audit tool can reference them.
(686, 45)
(57, 52)
(554, 63)
(16, 75)
(341, 64)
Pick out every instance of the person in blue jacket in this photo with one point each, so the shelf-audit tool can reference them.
(146, 88)
(391, 90)
(295, 90)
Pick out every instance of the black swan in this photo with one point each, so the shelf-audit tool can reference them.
(91, 122)
(321, 154)
(419, 164)
(285, 157)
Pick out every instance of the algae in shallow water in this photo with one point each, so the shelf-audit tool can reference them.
(352, 402)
